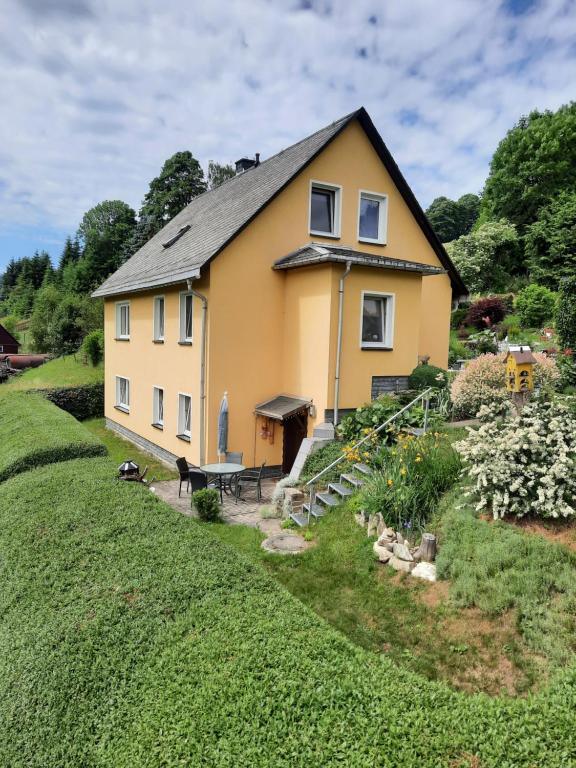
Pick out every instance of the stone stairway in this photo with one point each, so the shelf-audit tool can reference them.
(333, 495)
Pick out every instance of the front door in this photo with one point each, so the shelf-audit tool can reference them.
(295, 430)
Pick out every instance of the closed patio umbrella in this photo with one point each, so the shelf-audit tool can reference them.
(223, 426)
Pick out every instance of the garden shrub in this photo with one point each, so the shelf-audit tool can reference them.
(354, 425)
(483, 342)
(483, 382)
(131, 636)
(409, 479)
(485, 313)
(424, 376)
(207, 503)
(320, 459)
(457, 317)
(85, 402)
(566, 314)
(93, 347)
(523, 464)
(457, 351)
(567, 366)
(34, 432)
(535, 306)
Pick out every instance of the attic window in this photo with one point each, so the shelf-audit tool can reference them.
(324, 209)
(177, 236)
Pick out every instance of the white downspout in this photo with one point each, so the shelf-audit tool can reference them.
(204, 301)
(339, 342)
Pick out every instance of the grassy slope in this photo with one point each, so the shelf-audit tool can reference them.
(61, 372)
(35, 432)
(120, 450)
(129, 635)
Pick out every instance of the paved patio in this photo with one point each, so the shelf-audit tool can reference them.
(241, 513)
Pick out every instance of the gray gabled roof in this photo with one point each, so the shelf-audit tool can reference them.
(319, 253)
(214, 218)
(205, 227)
(282, 407)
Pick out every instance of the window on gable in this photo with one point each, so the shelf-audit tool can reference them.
(184, 416)
(122, 393)
(325, 210)
(186, 317)
(123, 320)
(377, 321)
(158, 407)
(372, 216)
(159, 318)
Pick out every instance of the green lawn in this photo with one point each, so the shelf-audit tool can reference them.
(35, 432)
(120, 450)
(130, 636)
(61, 372)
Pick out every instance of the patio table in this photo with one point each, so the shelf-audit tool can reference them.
(221, 471)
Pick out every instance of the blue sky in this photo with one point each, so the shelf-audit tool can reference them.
(96, 94)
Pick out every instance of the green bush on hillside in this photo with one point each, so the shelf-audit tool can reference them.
(86, 402)
(535, 306)
(207, 503)
(566, 316)
(35, 432)
(424, 376)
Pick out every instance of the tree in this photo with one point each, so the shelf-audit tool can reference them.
(218, 173)
(180, 181)
(566, 315)
(451, 219)
(484, 257)
(550, 242)
(532, 165)
(535, 306)
(46, 303)
(104, 231)
(71, 253)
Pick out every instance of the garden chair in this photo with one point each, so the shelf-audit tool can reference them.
(250, 478)
(184, 472)
(198, 480)
(233, 457)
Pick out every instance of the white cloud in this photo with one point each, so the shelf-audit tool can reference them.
(96, 95)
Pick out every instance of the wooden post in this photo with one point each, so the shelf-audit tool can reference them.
(427, 549)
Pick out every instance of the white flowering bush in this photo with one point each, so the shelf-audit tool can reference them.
(523, 464)
(483, 382)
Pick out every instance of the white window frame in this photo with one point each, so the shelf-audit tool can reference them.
(123, 406)
(382, 216)
(157, 302)
(181, 416)
(120, 305)
(184, 339)
(388, 341)
(337, 212)
(156, 420)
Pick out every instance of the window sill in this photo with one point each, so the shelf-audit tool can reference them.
(379, 348)
(369, 241)
(158, 426)
(122, 338)
(157, 341)
(185, 343)
(331, 235)
(122, 408)
(186, 438)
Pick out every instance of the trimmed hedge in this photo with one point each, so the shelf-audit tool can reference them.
(86, 402)
(130, 636)
(34, 432)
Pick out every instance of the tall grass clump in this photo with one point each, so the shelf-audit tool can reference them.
(409, 480)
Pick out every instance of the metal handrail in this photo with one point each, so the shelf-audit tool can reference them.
(375, 431)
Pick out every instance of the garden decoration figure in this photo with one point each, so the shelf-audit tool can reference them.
(520, 374)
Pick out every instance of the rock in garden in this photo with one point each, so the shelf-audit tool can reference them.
(380, 524)
(399, 537)
(381, 553)
(360, 519)
(389, 533)
(400, 565)
(425, 571)
(402, 552)
(371, 525)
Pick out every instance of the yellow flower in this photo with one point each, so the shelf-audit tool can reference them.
(418, 458)
(403, 471)
(390, 483)
(393, 453)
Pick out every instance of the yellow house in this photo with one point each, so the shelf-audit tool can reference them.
(302, 287)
